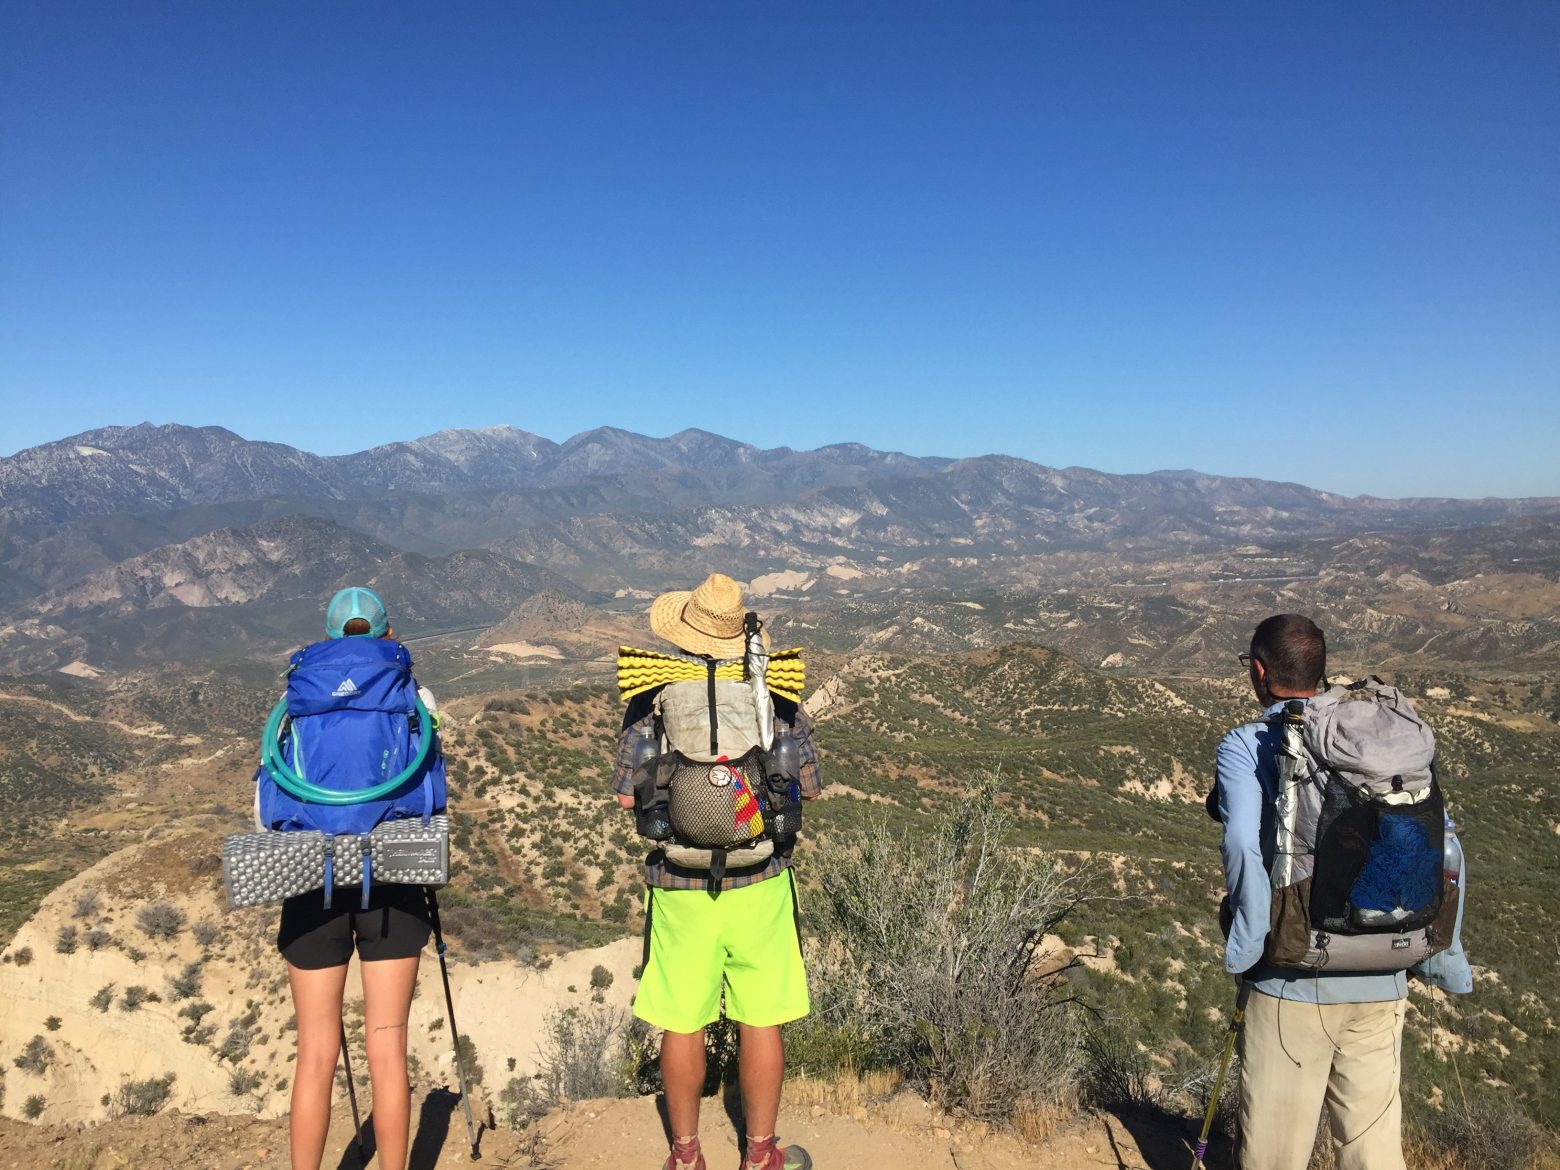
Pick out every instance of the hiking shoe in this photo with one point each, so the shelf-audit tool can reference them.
(674, 1163)
(782, 1158)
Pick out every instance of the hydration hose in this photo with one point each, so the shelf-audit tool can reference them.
(294, 784)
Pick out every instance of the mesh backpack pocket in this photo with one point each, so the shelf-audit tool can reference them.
(715, 806)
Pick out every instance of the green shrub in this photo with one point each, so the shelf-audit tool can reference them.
(33, 1106)
(520, 1103)
(102, 997)
(52, 1024)
(97, 939)
(600, 978)
(36, 1056)
(235, 1045)
(928, 958)
(186, 984)
(468, 1060)
(66, 939)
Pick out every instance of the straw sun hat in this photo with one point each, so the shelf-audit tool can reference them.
(706, 620)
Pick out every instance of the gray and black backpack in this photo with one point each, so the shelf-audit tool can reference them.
(1358, 881)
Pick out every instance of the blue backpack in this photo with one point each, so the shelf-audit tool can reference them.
(351, 745)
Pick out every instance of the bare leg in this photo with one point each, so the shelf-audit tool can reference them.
(760, 1069)
(387, 1002)
(317, 1004)
(682, 1073)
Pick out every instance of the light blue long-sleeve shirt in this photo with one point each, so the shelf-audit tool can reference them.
(1247, 786)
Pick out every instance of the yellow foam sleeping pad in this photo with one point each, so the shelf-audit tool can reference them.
(642, 670)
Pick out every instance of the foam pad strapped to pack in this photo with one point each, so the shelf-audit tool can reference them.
(268, 866)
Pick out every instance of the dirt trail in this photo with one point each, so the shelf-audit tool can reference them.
(151, 731)
(900, 1134)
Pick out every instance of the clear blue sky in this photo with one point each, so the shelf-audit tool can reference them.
(1317, 242)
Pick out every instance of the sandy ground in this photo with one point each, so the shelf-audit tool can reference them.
(900, 1134)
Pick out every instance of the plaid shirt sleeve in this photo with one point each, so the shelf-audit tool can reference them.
(811, 782)
(623, 772)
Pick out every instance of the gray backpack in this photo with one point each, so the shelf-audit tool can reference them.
(1358, 882)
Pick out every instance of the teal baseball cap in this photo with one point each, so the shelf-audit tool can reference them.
(356, 602)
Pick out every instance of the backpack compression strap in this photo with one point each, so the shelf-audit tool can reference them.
(714, 715)
(294, 784)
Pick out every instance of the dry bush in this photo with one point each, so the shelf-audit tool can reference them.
(521, 1102)
(186, 984)
(160, 920)
(928, 957)
(583, 1056)
(1486, 1132)
(143, 1098)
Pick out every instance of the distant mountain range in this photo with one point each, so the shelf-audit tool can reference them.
(125, 543)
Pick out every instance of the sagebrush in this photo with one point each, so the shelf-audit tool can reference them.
(931, 957)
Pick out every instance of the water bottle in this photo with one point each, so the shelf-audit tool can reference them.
(1449, 969)
(652, 812)
(644, 749)
(788, 761)
(1451, 855)
(782, 773)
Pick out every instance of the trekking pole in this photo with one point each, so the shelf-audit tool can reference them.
(357, 1122)
(449, 1007)
(1237, 1021)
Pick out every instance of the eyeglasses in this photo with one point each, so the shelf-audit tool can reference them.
(1244, 660)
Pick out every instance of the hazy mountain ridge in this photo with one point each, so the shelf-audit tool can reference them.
(147, 468)
(260, 586)
(126, 542)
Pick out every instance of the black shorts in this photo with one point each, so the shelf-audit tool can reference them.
(396, 925)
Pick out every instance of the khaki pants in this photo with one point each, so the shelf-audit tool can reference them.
(1296, 1056)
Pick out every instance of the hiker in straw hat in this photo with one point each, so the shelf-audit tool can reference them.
(728, 929)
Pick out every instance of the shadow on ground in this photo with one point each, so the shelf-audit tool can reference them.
(1165, 1140)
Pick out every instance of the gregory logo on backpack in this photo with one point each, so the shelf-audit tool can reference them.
(346, 690)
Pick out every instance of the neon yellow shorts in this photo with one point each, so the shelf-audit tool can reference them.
(743, 943)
